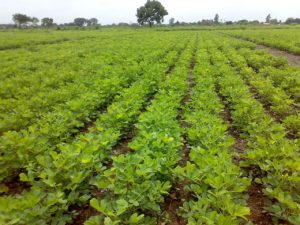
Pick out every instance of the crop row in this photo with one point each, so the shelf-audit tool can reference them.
(283, 107)
(214, 181)
(62, 177)
(280, 104)
(18, 148)
(276, 69)
(48, 89)
(276, 156)
(138, 181)
(284, 39)
(275, 83)
(26, 39)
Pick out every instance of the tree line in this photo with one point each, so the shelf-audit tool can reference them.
(24, 20)
(152, 12)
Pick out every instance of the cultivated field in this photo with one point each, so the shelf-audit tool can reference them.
(148, 127)
(284, 39)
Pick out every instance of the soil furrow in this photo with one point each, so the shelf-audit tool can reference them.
(292, 59)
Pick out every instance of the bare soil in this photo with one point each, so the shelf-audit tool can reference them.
(240, 144)
(15, 186)
(172, 203)
(183, 124)
(122, 147)
(84, 212)
(256, 205)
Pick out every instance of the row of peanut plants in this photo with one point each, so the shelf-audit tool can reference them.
(13, 39)
(18, 148)
(29, 95)
(64, 176)
(268, 148)
(283, 39)
(215, 183)
(282, 104)
(136, 183)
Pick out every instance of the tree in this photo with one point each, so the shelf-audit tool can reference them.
(273, 21)
(47, 22)
(80, 22)
(268, 18)
(152, 11)
(93, 21)
(20, 19)
(292, 21)
(216, 19)
(34, 21)
(171, 21)
(243, 22)
(228, 22)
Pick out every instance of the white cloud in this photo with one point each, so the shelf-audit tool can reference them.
(114, 11)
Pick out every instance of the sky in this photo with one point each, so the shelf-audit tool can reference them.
(115, 11)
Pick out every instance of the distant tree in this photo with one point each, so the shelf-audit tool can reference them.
(123, 24)
(268, 18)
(243, 22)
(254, 22)
(20, 19)
(228, 22)
(292, 21)
(216, 19)
(152, 11)
(134, 25)
(93, 21)
(206, 22)
(47, 22)
(289, 20)
(273, 21)
(171, 21)
(80, 22)
(34, 21)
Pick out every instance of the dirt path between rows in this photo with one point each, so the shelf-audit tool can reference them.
(293, 60)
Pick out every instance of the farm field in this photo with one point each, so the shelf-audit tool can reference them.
(283, 39)
(124, 126)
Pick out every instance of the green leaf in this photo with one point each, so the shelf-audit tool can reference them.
(135, 218)
(94, 220)
(122, 205)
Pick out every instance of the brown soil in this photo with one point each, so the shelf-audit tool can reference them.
(122, 147)
(256, 205)
(240, 144)
(293, 60)
(87, 126)
(84, 212)
(172, 203)
(183, 124)
(15, 186)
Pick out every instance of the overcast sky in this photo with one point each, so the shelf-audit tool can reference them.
(114, 11)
